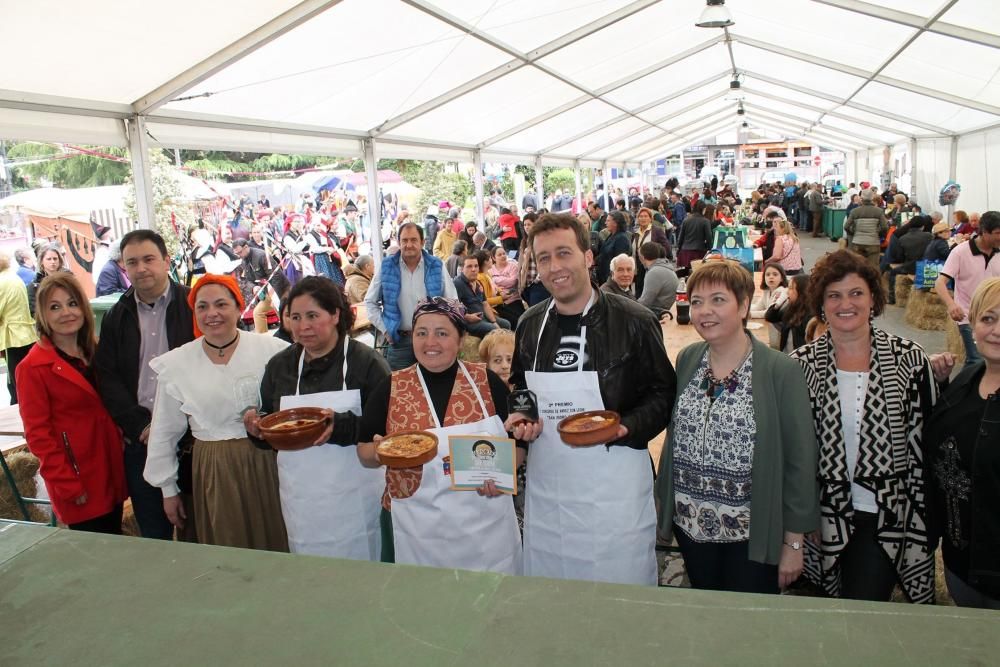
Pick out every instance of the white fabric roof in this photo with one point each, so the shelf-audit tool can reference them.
(567, 80)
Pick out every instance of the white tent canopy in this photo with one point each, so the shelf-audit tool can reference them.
(569, 82)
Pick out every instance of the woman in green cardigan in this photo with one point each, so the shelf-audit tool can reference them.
(741, 437)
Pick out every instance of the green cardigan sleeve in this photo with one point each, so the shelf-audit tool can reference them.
(800, 498)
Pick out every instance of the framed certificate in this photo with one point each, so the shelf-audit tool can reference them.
(476, 459)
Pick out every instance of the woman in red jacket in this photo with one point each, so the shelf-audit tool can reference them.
(65, 422)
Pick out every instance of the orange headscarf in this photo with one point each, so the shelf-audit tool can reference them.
(212, 279)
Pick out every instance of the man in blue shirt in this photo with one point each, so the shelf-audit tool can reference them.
(25, 265)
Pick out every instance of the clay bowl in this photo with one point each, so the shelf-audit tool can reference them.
(282, 433)
(426, 454)
(601, 427)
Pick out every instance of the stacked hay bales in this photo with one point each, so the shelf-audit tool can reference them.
(904, 286)
(24, 467)
(954, 342)
(926, 311)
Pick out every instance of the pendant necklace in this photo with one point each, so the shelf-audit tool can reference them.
(222, 348)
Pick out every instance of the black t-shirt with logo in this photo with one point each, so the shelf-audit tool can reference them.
(571, 345)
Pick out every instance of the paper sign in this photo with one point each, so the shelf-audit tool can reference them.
(476, 459)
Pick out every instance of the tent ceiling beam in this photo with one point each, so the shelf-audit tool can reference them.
(868, 76)
(617, 119)
(791, 132)
(914, 21)
(791, 123)
(603, 90)
(518, 61)
(810, 123)
(242, 47)
(809, 107)
(676, 132)
(685, 140)
(854, 105)
(14, 99)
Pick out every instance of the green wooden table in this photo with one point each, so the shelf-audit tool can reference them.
(82, 599)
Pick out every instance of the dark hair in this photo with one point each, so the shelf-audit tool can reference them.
(730, 275)
(776, 265)
(482, 257)
(709, 212)
(619, 219)
(835, 267)
(597, 203)
(530, 215)
(698, 208)
(142, 235)
(552, 221)
(489, 444)
(239, 243)
(798, 313)
(504, 210)
(989, 222)
(328, 295)
(406, 225)
(458, 247)
(651, 250)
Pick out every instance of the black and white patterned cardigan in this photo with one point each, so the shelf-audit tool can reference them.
(901, 392)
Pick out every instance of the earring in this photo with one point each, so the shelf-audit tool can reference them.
(822, 315)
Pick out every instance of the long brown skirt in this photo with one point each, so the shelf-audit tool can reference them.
(236, 501)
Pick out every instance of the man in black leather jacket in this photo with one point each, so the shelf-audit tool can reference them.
(579, 343)
(118, 363)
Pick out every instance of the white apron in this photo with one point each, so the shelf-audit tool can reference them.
(330, 502)
(589, 511)
(456, 529)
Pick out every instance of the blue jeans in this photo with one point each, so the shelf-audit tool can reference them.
(400, 354)
(971, 353)
(147, 500)
(483, 327)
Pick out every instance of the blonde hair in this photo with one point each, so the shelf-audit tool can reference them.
(986, 297)
(4, 262)
(786, 228)
(493, 340)
(66, 281)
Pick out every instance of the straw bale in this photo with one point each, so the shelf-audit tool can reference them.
(904, 285)
(926, 311)
(24, 466)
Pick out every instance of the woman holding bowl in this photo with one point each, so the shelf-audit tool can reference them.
(330, 503)
(430, 524)
(737, 480)
(871, 393)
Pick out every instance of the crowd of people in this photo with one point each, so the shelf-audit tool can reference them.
(845, 462)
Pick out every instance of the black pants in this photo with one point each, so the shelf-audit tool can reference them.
(147, 500)
(15, 355)
(510, 244)
(725, 566)
(866, 573)
(110, 523)
(511, 312)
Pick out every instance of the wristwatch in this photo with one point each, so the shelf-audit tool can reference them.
(794, 545)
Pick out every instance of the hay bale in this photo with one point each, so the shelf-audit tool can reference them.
(926, 311)
(954, 342)
(470, 349)
(904, 285)
(24, 466)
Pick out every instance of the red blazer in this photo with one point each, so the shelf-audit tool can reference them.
(54, 398)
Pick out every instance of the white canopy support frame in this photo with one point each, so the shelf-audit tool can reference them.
(528, 80)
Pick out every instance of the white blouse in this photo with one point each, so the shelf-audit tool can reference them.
(211, 398)
(853, 387)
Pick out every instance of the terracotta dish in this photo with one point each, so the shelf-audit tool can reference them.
(407, 449)
(589, 428)
(298, 428)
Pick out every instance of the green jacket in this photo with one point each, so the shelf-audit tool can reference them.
(785, 494)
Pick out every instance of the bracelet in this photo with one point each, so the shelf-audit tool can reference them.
(794, 545)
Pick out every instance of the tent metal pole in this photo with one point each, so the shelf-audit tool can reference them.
(477, 177)
(913, 170)
(952, 171)
(374, 200)
(539, 186)
(607, 186)
(138, 148)
(578, 185)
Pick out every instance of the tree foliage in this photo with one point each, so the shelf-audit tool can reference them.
(68, 169)
(168, 206)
